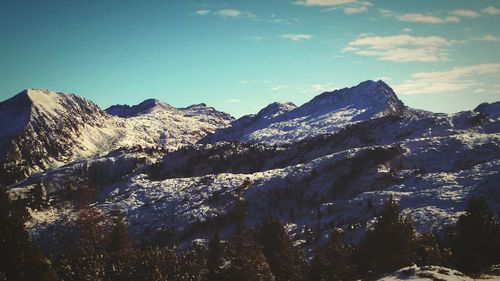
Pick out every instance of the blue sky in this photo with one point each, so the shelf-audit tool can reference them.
(239, 56)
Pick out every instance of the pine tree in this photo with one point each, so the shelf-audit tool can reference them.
(192, 265)
(286, 262)
(86, 261)
(120, 253)
(390, 245)
(332, 261)
(155, 264)
(246, 262)
(214, 257)
(476, 244)
(428, 251)
(20, 260)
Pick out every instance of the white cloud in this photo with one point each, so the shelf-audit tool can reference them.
(296, 37)
(358, 7)
(423, 18)
(226, 13)
(233, 101)
(315, 88)
(465, 13)
(324, 3)
(400, 48)
(491, 10)
(230, 13)
(488, 38)
(456, 79)
(322, 87)
(280, 87)
(355, 10)
(255, 81)
(418, 17)
(203, 12)
(255, 38)
(348, 6)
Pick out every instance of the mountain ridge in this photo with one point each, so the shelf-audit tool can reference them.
(325, 113)
(332, 160)
(47, 129)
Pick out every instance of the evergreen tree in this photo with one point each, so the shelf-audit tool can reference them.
(120, 253)
(155, 264)
(476, 245)
(86, 261)
(192, 265)
(332, 261)
(390, 245)
(286, 262)
(246, 262)
(428, 251)
(19, 259)
(214, 257)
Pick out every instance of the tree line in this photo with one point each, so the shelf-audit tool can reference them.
(104, 251)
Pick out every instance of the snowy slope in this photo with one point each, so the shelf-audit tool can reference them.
(326, 113)
(428, 273)
(43, 129)
(340, 156)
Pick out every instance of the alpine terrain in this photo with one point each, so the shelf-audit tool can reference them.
(327, 165)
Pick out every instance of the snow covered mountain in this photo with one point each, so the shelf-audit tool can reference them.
(328, 163)
(325, 114)
(43, 129)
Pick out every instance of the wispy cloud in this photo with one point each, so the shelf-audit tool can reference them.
(315, 88)
(348, 6)
(297, 37)
(255, 82)
(491, 10)
(488, 38)
(400, 48)
(280, 88)
(225, 13)
(423, 18)
(275, 19)
(203, 12)
(255, 38)
(465, 13)
(324, 3)
(355, 10)
(419, 17)
(456, 79)
(233, 101)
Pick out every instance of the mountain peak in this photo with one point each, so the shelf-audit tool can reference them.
(373, 98)
(146, 106)
(327, 113)
(275, 109)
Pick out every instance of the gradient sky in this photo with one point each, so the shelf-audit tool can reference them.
(238, 56)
